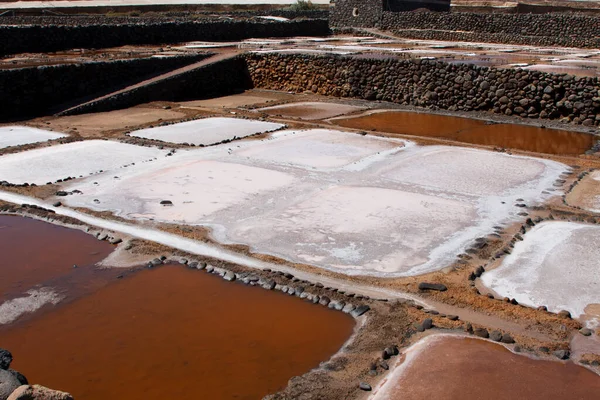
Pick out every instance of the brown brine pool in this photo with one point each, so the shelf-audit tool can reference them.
(167, 332)
(510, 136)
(452, 367)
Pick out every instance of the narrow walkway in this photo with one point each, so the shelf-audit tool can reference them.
(179, 71)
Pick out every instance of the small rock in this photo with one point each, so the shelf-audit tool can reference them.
(432, 286)
(365, 386)
(166, 202)
(360, 310)
(115, 241)
(481, 332)
(585, 331)
(506, 338)
(427, 323)
(229, 276)
(496, 336)
(348, 308)
(57, 204)
(5, 358)
(562, 354)
(324, 301)
(452, 317)
(564, 314)
(201, 266)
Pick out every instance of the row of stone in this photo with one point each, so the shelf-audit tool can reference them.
(296, 287)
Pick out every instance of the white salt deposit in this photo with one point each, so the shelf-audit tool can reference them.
(318, 148)
(467, 171)
(19, 135)
(342, 201)
(207, 131)
(49, 164)
(359, 229)
(36, 298)
(197, 188)
(556, 265)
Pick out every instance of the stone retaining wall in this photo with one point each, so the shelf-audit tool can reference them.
(575, 30)
(543, 29)
(103, 32)
(433, 84)
(212, 80)
(40, 90)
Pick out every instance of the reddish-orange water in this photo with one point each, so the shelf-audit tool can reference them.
(458, 368)
(510, 136)
(175, 333)
(35, 252)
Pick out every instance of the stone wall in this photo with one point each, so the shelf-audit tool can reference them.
(575, 30)
(102, 32)
(357, 13)
(534, 29)
(212, 80)
(433, 84)
(37, 91)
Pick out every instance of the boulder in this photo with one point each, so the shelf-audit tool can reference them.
(37, 392)
(5, 358)
(8, 384)
(432, 286)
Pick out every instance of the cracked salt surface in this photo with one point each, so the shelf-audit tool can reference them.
(10, 310)
(556, 265)
(20, 135)
(345, 202)
(207, 131)
(83, 158)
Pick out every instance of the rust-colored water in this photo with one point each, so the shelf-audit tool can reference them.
(34, 252)
(458, 368)
(175, 333)
(510, 136)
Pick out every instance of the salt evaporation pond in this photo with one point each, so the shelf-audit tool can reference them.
(556, 265)
(207, 131)
(452, 367)
(310, 110)
(522, 137)
(20, 135)
(84, 158)
(37, 264)
(175, 333)
(346, 202)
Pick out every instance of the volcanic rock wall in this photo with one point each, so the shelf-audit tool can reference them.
(39, 90)
(433, 84)
(532, 29)
(103, 32)
(213, 80)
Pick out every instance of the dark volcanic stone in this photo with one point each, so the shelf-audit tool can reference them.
(5, 358)
(432, 286)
